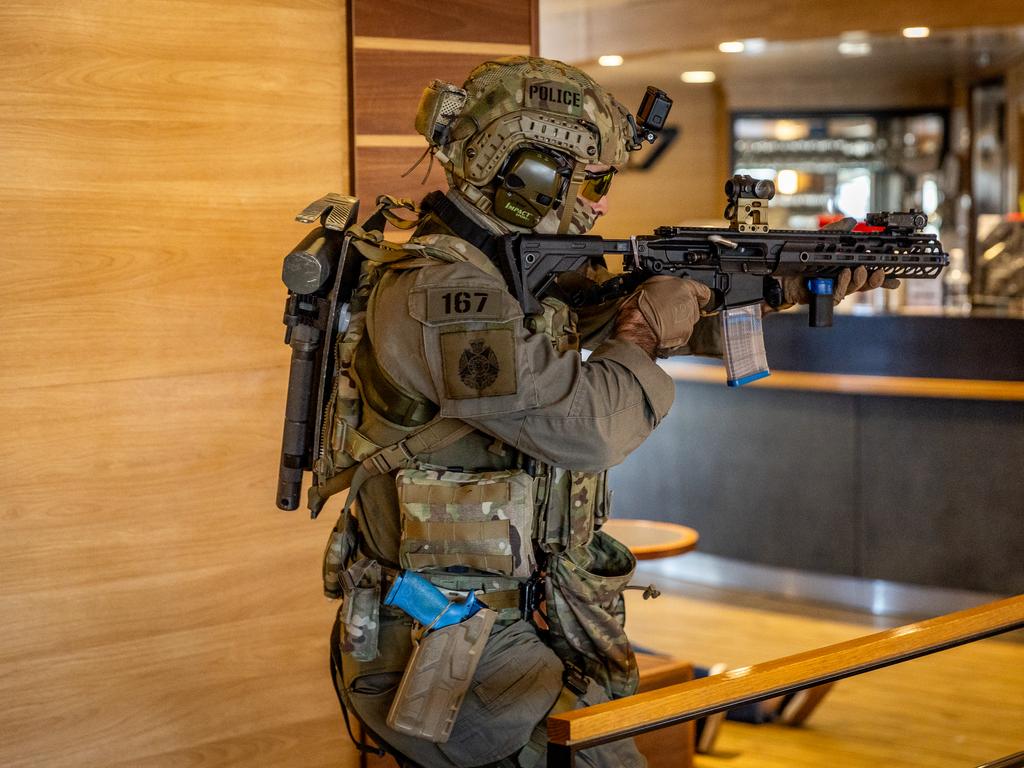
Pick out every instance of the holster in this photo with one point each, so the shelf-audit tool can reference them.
(438, 676)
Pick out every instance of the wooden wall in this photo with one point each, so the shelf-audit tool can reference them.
(397, 49)
(684, 185)
(158, 610)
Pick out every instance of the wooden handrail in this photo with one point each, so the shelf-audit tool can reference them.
(601, 723)
(1015, 760)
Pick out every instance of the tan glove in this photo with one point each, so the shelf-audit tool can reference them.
(794, 288)
(660, 315)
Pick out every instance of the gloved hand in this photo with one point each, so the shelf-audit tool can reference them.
(659, 317)
(794, 289)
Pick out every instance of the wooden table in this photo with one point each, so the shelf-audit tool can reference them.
(651, 540)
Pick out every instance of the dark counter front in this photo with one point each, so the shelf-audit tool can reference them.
(914, 489)
(987, 349)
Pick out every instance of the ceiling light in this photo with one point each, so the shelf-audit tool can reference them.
(612, 60)
(755, 45)
(733, 46)
(787, 182)
(851, 48)
(697, 76)
(916, 31)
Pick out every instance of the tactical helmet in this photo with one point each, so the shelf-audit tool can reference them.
(517, 137)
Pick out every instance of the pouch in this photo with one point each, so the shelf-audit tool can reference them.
(360, 616)
(481, 520)
(586, 612)
(572, 505)
(343, 410)
(340, 546)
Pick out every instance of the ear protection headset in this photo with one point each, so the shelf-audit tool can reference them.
(530, 183)
(534, 180)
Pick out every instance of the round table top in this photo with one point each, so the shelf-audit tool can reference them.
(651, 539)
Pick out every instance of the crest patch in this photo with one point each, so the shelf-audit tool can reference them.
(478, 366)
(478, 363)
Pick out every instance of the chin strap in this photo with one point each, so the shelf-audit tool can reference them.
(579, 173)
(459, 223)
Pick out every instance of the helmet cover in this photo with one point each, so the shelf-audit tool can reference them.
(521, 101)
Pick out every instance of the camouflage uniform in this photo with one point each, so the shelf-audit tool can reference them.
(449, 333)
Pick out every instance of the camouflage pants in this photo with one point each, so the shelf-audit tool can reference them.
(515, 685)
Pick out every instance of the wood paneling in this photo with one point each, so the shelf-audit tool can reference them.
(381, 169)
(479, 20)
(685, 183)
(158, 610)
(388, 86)
(397, 50)
(816, 92)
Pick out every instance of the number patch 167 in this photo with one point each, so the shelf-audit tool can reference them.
(445, 304)
(461, 302)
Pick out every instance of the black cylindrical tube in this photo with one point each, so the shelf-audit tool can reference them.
(295, 441)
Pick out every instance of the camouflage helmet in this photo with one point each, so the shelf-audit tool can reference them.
(521, 102)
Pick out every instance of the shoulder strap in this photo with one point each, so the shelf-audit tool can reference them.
(438, 433)
(459, 223)
(385, 214)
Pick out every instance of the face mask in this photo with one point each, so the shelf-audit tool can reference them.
(583, 220)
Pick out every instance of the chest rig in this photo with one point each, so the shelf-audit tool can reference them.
(363, 392)
(485, 521)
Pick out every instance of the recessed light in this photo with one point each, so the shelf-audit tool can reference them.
(916, 32)
(755, 45)
(851, 48)
(732, 46)
(697, 76)
(787, 182)
(612, 60)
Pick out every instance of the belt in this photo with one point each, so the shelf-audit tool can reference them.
(518, 602)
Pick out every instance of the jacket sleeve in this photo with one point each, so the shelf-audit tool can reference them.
(454, 334)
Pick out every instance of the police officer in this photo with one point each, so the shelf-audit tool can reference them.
(482, 437)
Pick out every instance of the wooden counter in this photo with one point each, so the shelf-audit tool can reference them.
(957, 348)
(855, 384)
(883, 448)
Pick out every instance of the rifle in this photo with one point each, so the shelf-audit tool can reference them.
(741, 264)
